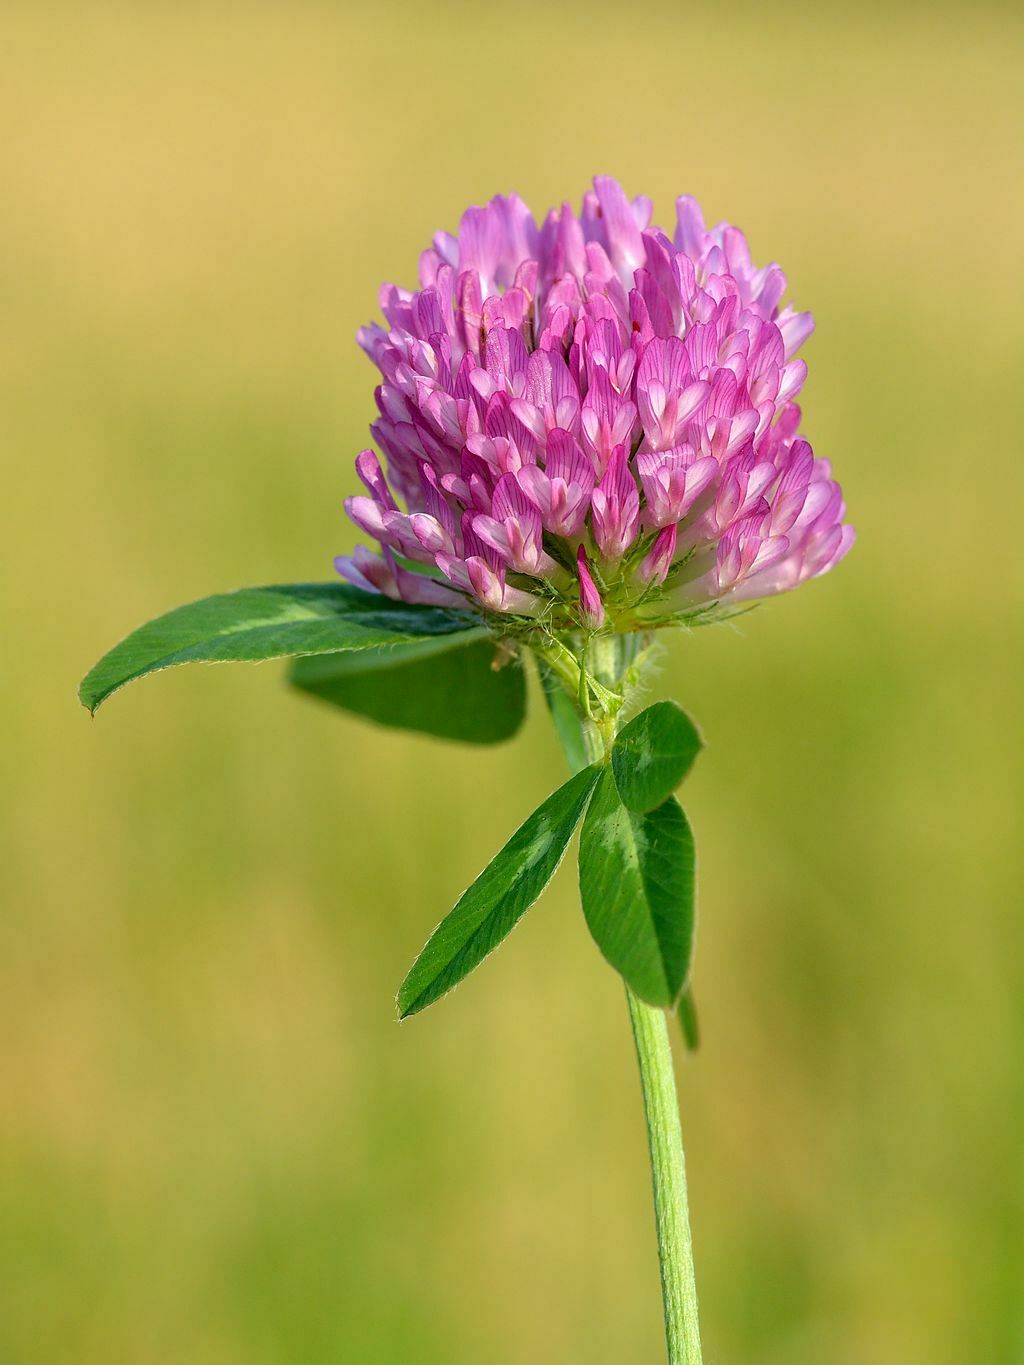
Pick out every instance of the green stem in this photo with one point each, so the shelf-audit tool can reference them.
(665, 1144)
(668, 1176)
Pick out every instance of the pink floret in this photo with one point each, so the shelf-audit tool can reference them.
(592, 401)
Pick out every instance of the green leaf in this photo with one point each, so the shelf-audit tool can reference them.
(498, 898)
(267, 623)
(637, 887)
(688, 1021)
(653, 754)
(441, 687)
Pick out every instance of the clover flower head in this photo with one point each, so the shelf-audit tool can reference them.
(591, 424)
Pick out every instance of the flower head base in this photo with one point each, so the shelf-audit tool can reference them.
(591, 425)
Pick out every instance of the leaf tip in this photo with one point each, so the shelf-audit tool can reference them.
(87, 699)
(406, 1005)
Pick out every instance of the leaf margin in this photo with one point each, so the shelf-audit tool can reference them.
(365, 612)
(404, 687)
(586, 780)
(631, 739)
(667, 998)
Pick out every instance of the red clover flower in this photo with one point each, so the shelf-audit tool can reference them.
(591, 424)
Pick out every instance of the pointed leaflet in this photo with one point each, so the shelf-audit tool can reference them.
(267, 623)
(440, 687)
(498, 898)
(653, 754)
(637, 887)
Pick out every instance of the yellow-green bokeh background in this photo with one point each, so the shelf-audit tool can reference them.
(216, 1146)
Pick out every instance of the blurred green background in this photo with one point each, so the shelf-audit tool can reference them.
(216, 1145)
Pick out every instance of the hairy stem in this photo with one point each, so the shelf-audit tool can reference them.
(665, 1144)
(668, 1176)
